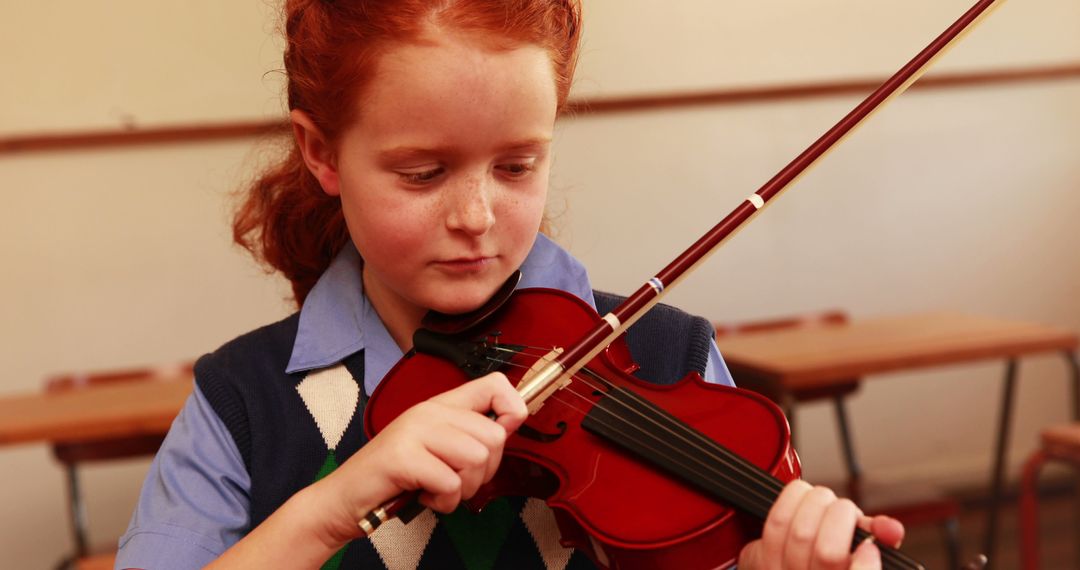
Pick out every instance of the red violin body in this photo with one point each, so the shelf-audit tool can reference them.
(622, 511)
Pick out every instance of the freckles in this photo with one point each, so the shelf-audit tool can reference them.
(406, 221)
(519, 210)
(433, 208)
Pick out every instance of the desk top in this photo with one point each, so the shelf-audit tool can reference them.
(123, 409)
(814, 356)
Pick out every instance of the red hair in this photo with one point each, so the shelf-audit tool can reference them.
(332, 46)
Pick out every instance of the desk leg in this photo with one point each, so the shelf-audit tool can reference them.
(1074, 365)
(998, 476)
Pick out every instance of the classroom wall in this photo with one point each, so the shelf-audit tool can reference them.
(948, 199)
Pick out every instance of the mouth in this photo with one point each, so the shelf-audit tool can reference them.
(470, 264)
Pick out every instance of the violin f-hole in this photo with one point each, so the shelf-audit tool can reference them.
(529, 432)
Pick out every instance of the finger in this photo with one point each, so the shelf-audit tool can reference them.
(472, 461)
(471, 479)
(440, 485)
(506, 402)
(751, 556)
(887, 530)
(457, 448)
(492, 393)
(803, 532)
(488, 433)
(779, 520)
(866, 557)
(485, 431)
(444, 503)
(833, 545)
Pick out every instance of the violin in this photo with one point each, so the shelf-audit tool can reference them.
(623, 513)
(638, 475)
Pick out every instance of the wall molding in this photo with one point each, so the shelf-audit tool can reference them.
(576, 108)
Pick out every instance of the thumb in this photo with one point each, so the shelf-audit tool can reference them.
(866, 557)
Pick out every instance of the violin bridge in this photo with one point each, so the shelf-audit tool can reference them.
(542, 380)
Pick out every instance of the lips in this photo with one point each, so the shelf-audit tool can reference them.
(465, 264)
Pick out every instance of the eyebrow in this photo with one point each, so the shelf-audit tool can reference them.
(527, 143)
(407, 152)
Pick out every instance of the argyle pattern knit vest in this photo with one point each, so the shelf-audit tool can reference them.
(294, 429)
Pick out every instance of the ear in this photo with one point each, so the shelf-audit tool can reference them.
(317, 152)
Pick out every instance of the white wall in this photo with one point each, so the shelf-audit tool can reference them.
(951, 199)
(957, 199)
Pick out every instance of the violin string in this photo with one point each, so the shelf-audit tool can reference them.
(556, 395)
(759, 506)
(764, 483)
(754, 481)
(763, 505)
(764, 501)
(694, 465)
(890, 557)
(760, 489)
(764, 487)
(703, 444)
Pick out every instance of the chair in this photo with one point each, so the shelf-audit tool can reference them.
(912, 505)
(1059, 443)
(73, 454)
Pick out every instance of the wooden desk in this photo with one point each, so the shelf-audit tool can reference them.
(118, 419)
(784, 360)
(93, 414)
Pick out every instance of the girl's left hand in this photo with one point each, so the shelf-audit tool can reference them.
(811, 528)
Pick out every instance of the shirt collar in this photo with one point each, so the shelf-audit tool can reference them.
(337, 320)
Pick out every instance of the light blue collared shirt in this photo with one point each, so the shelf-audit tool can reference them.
(195, 500)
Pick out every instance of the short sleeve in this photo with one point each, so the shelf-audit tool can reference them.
(195, 501)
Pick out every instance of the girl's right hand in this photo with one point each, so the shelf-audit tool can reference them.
(446, 447)
(810, 527)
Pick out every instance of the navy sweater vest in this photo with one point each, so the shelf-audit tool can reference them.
(284, 450)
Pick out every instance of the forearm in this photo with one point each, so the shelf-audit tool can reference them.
(303, 533)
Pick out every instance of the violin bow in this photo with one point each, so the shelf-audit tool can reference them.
(563, 365)
(619, 319)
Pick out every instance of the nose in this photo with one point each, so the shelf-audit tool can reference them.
(470, 207)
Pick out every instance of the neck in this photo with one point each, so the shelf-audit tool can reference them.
(400, 317)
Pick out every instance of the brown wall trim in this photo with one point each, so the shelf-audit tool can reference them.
(139, 136)
(812, 90)
(575, 108)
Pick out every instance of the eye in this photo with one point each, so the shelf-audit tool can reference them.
(517, 169)
(421, 177)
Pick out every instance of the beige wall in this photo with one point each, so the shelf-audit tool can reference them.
(958, 199)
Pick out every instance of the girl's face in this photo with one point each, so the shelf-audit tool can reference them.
(443, 177)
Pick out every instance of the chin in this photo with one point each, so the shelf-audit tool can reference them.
(464, 300)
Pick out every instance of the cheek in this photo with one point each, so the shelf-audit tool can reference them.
(525, 214)
(386, 229)
(527, 209)
(520, 218)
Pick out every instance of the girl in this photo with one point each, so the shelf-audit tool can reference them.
(417, 182)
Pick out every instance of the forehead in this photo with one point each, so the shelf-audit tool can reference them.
(458, 81)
